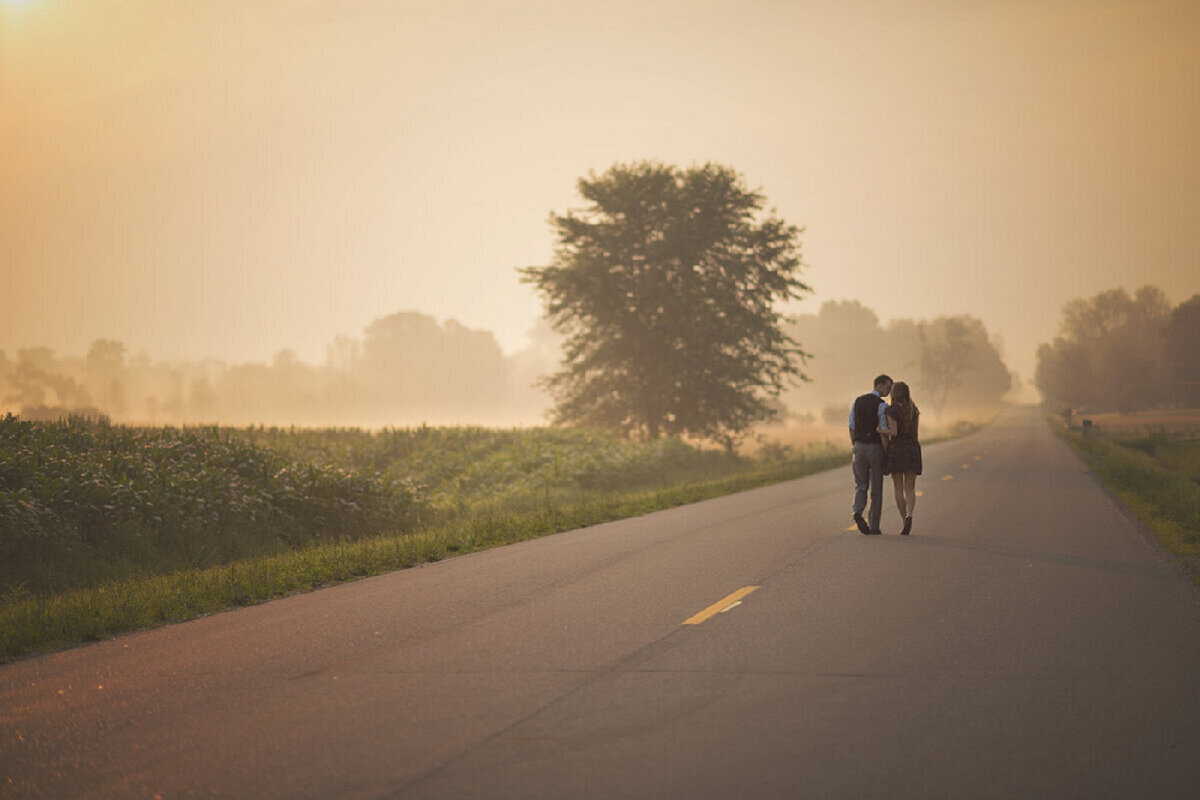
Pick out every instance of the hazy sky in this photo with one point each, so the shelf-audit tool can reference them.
(228, 178)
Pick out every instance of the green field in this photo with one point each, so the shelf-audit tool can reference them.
(1155, 471)
(108, 528)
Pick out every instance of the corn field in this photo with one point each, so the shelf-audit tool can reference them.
(83, 502)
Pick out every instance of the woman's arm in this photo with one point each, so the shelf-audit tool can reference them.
(887, 433)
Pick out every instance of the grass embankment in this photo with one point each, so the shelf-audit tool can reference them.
(106, 529)
(1157, 476)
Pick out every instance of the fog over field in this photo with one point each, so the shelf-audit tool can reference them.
(404, 369)
(408, 369)
(312, 212)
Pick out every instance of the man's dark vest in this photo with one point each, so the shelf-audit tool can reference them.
(866, 418)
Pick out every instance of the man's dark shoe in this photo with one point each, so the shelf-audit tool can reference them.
(907, 526)
(862, 524)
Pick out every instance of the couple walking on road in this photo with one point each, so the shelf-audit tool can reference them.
(885, 441)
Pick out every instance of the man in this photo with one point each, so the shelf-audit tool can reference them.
(867, 418)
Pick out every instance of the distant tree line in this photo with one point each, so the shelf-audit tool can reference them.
(405, 369)
(953, 365)
(1117, 352)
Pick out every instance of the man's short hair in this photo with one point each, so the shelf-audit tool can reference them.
(882, 379)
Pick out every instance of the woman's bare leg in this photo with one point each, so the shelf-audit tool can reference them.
(898, 485)
(906, 485)
(910, 492)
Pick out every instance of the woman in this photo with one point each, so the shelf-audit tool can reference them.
(903, 457)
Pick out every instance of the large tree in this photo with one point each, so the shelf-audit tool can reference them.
(666, 288)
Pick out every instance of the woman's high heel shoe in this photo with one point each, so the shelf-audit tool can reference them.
(907, 526)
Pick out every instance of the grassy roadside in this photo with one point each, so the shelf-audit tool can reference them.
(37, 624)
(1157, 479)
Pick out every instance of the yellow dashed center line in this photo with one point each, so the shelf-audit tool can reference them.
(977, 458)
(966, 466)
(947, 477)
(722, 605)
(919, 493)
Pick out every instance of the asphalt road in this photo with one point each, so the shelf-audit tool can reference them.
(1026, 641)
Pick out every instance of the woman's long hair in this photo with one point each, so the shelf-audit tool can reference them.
(902, 400)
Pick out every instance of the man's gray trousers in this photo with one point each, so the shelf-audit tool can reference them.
(868, 473)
